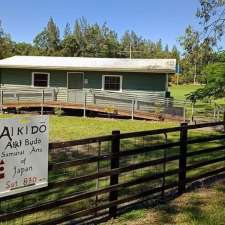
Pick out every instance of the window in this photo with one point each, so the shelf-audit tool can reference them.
(112, 82)
(40, 79)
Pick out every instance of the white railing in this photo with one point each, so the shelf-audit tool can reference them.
(19, 96)
(115, 101)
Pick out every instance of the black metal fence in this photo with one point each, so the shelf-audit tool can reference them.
(94, 179)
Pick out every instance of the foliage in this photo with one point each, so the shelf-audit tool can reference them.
(87, 40)
(6, 45)
(215, 86)
(197, 54)
(199, 45)
(212, 17)
(219, 57)
(58, 111)
(48, 40)
(22, 48)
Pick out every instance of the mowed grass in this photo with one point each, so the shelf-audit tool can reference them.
(64, 128)
(205, 206)
(203, 110)
(180, 92)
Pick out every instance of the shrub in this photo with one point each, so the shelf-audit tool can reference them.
(58, 111)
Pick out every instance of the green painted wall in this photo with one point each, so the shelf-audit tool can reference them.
(131, 81)
(24, 77)
(15, 77)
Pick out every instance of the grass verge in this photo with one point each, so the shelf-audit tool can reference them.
(63, 128)
(205, 206)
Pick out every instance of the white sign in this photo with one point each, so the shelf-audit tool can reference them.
(23, 154)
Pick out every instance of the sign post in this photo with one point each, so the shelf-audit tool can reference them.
(23, 154)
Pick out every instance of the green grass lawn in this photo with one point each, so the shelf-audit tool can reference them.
(202, 110)
(204, 206)
(179, 92)
(64, 128)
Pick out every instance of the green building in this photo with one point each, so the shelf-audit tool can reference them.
(66, 75)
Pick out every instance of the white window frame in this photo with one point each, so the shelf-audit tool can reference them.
(121, 82)
(33, 73)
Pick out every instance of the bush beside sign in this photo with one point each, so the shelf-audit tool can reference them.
(23, 154)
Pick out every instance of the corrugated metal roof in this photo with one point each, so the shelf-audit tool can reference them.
(90, 64)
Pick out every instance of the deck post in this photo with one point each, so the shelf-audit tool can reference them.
(85, 103)
(1, 101)
(184, 114)
(114, 178)
(67, 95)
(18, 98)
(53, 95)
(136, 103)
(94, 99)
(132, 109)
(42, 101)
(183, 158)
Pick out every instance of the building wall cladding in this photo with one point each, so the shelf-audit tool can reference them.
(141, 83)
(132, 81)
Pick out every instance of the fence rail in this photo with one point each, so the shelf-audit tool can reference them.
(112, 102)
(109, 173)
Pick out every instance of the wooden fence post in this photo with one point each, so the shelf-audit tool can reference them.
(1, 101)
(183, 158)
(85, 103)
(114, 179)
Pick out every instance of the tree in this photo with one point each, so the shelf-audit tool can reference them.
(190, 42)
(86, 39)
(175, 53)
(22, 48)
(94, 40)
(80, 28)
(214, 88)
(219, 56)
(53, 36)
(41, 43)
(67, 31)
(48, 40)
(212, 18)
(166, 49)
(69, 46)
(6, 46)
